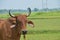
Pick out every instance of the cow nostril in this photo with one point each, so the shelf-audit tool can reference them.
(24, 32)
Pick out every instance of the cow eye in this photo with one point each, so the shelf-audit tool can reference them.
(13, 23)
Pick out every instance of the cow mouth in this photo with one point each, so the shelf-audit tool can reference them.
(24, 34)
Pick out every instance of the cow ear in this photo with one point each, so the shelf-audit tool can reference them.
(31, 23)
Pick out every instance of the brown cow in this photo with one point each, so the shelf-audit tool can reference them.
(20, 22)
(11, 28)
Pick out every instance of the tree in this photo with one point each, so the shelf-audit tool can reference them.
(36, 9)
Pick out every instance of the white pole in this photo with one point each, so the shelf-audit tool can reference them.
(46, 5)
(42, 4)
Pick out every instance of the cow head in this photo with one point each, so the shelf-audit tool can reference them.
(21, 20)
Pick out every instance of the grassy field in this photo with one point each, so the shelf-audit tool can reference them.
(43, 36)
(47, 26)
(45, 29)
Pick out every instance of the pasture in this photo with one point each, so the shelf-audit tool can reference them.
(47, 26)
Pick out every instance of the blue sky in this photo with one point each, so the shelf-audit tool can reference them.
(23, 4)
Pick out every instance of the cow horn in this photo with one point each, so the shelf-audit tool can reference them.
(29, 10)
(11, 14)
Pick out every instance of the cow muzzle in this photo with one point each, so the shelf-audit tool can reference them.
(24, 32)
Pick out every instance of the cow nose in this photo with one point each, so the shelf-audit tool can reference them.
(24, 32)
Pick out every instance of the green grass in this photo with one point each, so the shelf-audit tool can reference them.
(45, 29)
(45, 14)
(55, 36)
(47, 26)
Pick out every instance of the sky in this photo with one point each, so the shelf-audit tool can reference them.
(24, 4)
